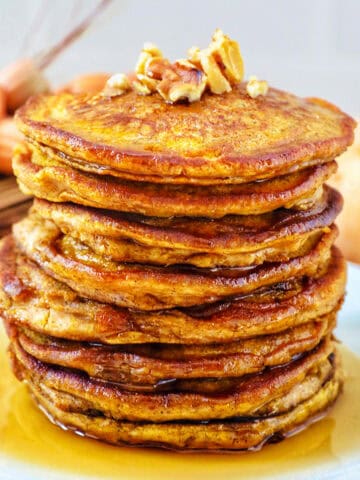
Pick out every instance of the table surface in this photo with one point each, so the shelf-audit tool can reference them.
(13, 204)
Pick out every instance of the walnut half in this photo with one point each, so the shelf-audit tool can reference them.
(180, 80)
(221, 62)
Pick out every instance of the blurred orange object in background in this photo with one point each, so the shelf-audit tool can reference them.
(87, 83)
(20, 80)
(347, 180)
(2, 103)
(25, 77)
(9, 137)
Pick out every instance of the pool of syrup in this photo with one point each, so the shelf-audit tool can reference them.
(28, 440)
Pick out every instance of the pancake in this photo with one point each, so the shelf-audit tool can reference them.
(300, 189)
(220, 137)
(160, 366)
(35, 300)
(240, 434)
(150, 287)
(229, 241)
(245, 397)
(303, 390)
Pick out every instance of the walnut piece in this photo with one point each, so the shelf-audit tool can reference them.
(116, 85)
(178, 81)
(221, 62)
(255, 87)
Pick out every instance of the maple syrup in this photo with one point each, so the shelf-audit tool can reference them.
(27, 436)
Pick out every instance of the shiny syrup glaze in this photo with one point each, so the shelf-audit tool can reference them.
(27, 436)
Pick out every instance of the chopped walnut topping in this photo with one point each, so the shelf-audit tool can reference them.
(216, 68)
(256, 87)
(144, 83)
(116, 85)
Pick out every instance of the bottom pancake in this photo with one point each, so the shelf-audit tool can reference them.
(232, 434)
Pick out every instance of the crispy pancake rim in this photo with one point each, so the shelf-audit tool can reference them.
(229, 436)
(150, 364)
(230, 241)
(154, 288)
(66, 184)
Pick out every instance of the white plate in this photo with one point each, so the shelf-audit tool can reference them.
(349, 318)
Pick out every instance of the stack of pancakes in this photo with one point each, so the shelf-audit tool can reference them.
(176, 282)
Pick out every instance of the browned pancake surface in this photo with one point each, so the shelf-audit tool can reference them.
(161, 366)
(238, 434)
(37, 301)
(150, 287)
(231, 135)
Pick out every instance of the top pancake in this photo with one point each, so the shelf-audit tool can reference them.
(222, 138)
